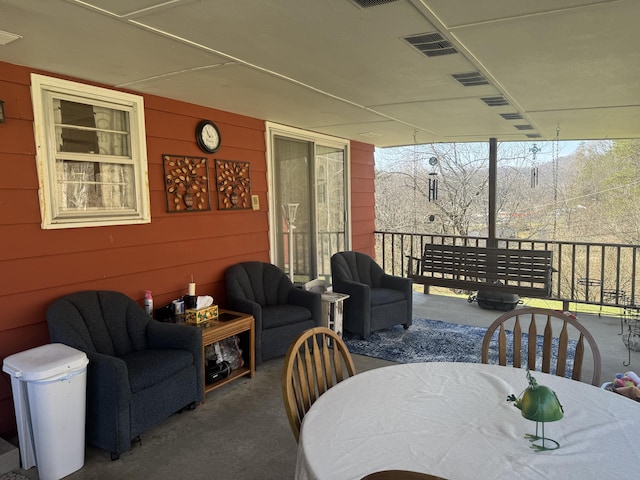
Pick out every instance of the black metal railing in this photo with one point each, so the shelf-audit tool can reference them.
(328, 244)
(590, 273)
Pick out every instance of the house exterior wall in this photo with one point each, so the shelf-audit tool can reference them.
(39, 266)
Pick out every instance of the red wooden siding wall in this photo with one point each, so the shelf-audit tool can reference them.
(363, 212)
(38, 266)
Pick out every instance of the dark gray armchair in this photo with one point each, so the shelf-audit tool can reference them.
(281, 311)
(376, 300)
(140, 370)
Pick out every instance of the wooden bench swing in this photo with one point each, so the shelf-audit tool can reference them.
(510, 271)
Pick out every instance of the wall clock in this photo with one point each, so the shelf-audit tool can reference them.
(208, 136)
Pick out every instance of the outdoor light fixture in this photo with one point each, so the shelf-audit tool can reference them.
(1, 111)
(539, 404)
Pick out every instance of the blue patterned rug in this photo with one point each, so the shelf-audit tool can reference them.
(437, 341)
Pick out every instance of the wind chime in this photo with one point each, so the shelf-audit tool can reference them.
(433, 180)
(534, 166)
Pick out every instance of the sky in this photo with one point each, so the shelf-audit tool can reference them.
(544, 155)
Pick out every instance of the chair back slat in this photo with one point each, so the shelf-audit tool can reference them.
(517, 344)
(316, 361)
(547, 346)
(532, 346)
(304, 383)
(577, 369)
(317, 368)
(502, 346)
(563, 346)
(568, 326)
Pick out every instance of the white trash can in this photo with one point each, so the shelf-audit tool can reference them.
(49, 388)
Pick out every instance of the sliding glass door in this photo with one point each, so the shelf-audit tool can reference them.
(308, 201)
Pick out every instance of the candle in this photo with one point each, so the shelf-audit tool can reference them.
(192, 288)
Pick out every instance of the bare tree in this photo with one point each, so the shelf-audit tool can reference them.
(461, 171)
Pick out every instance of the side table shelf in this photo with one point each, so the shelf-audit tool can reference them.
(215, 331)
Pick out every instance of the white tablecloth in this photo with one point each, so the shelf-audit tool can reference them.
(453, 420)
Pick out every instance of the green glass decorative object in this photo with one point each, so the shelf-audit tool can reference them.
(539, 404)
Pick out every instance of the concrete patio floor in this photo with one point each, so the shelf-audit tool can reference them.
(241, 431)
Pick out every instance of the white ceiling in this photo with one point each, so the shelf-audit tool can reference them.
(568, 67)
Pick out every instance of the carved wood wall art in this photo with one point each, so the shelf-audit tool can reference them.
(186, 182)
(233, 185)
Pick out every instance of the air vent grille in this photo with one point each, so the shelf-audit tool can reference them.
(470, 79)
(431, 44)
(533, 135)
(495, 101)
(372, 3)
(511, 116)
(524, 127)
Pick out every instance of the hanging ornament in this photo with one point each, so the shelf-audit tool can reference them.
(433, 180)
(534, 166)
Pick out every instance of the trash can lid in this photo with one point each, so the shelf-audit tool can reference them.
(44, 362)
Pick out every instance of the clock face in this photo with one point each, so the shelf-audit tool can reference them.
(207, 136)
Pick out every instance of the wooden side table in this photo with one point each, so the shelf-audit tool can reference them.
(332, 310)
(214, 331)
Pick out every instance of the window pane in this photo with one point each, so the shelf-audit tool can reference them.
(82, 128)
(94, 186)
(330, 208)
(113, 131)
(292, 163)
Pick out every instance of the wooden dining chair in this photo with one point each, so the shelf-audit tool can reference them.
(316, 361)
(532, 321)
(400, 475)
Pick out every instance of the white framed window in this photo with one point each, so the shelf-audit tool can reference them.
(91, 155)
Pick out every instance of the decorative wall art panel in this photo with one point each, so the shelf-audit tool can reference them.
(186, 183)
(233, 185)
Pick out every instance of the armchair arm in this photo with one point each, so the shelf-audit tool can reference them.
(108, 398)
(357, 308)
(249, 307)
(405, 285)
(360, 292)
(310, 300)
(164, 336)
(396, 283)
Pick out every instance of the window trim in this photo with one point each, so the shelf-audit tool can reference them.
(43, 88)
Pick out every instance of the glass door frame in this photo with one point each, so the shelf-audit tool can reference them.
(273, 130)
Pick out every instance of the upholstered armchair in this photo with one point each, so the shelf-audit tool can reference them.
(281, 310)
(140, 370)
(376, 300)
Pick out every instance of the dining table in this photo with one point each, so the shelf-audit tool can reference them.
(453, 420)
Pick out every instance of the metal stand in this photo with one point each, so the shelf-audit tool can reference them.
(289, 212)
(631, 338)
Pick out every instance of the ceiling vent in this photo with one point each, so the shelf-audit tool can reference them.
(470, 79)
(372, 3)
(431, 44)
(511, 116)
(524, 127)
(533, 135)
(495, 101)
